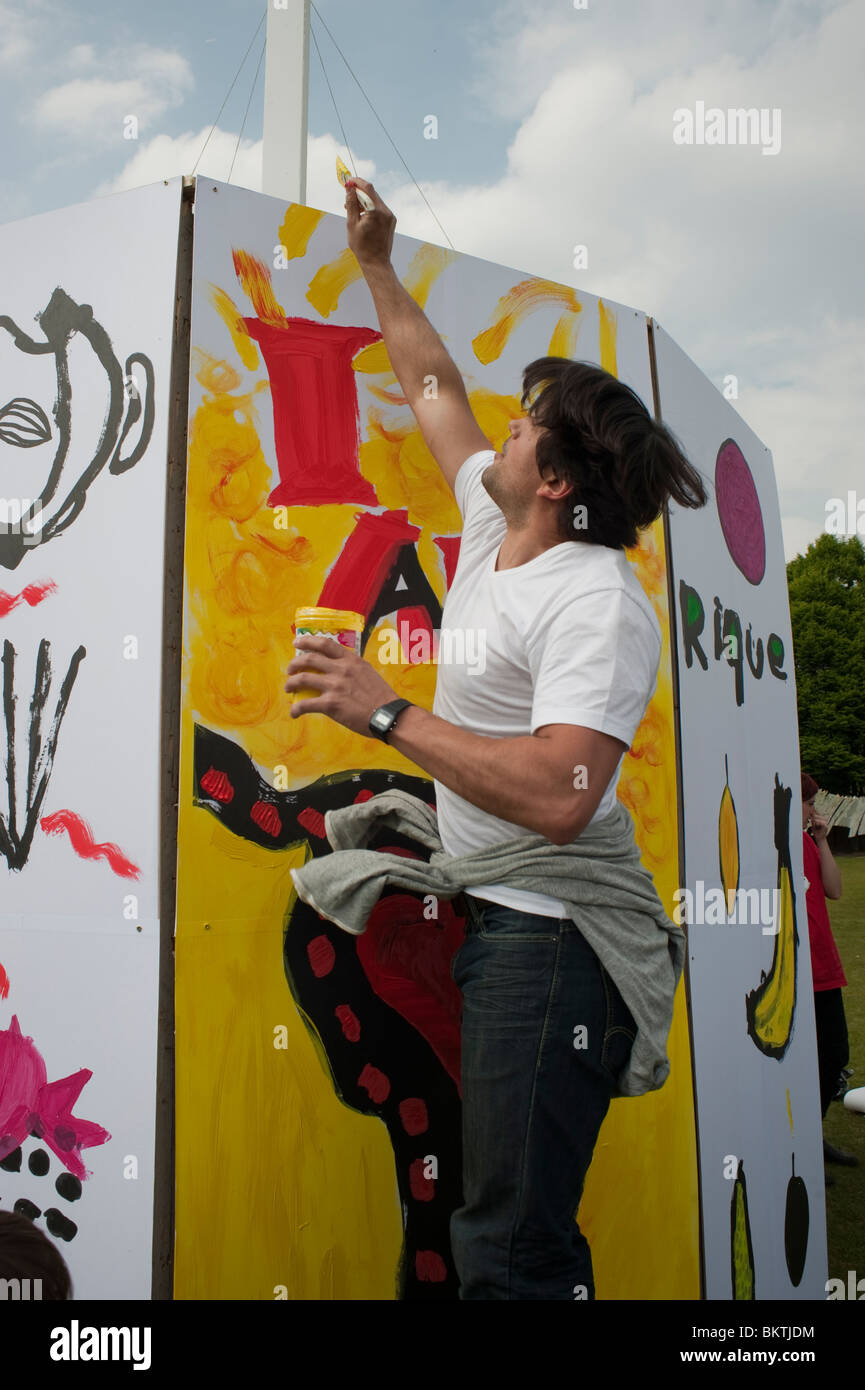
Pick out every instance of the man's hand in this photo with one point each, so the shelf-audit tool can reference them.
(370, 234)
(351, 689)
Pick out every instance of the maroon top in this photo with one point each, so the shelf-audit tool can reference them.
(825, 961)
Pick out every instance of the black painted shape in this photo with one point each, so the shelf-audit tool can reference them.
(340, 789)
(415, 592)
(25, 1208)
(61, 321)
(12, 1162)
(39, 1163)
(68, 1186)
(60, 1225)
(40, 760)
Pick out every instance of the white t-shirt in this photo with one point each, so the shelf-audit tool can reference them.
(566, 638)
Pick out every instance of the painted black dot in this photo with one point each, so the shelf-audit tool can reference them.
(38, 1130)
(60, 1225)
(39, 1163)
(12, 1162)
(68, 1186)
(25, 1208)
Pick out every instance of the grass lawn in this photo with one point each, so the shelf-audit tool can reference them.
(845, 1202)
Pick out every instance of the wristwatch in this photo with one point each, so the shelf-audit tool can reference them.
(383, 719)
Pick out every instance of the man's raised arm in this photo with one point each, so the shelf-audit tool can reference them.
(415, 350)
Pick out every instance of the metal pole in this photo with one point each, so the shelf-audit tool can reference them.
(286, 99)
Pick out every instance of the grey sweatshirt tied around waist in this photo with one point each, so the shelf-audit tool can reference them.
(610, 898)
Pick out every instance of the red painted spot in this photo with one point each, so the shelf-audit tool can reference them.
(4, 984)
(423, 1189)
(349, 1022)
(414, 1115)
(321, 956)
(266, 816)
(217, 785)
(429, 1267)
(313, 821)
(375, 1083)
(365, 795)
(31, 594)
(84, 845)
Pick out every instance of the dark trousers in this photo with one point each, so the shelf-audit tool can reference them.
(833, 1049)
(545, 1033)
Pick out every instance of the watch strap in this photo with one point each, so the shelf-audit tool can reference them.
(393, 709)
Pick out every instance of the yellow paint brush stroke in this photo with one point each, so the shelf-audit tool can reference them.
(233, 320)
(329, 281)
(513, 307)
(255, 278)
(297, 227)
(607, 329)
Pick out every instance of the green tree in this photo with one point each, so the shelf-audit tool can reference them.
(827, 611)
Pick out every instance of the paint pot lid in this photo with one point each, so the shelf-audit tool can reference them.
(346, 616)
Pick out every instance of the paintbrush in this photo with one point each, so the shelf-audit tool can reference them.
(343, 173)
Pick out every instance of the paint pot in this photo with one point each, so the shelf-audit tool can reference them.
(341, 625)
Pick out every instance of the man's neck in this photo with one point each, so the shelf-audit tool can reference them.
(518, 547)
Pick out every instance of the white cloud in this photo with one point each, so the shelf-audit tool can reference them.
(149, 81)
(164, 156)
(17, 35)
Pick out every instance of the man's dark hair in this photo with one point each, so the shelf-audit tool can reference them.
(27, 1253)
(599, 436)
(810, 788)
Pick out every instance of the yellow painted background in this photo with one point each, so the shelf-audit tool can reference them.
(281, 1189)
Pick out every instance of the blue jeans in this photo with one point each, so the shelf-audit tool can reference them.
(545, 1033)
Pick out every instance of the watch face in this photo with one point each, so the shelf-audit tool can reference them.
(381, 720)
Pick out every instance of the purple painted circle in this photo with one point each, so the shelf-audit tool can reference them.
(739, 511)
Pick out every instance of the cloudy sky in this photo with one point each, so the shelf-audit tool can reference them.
(555, 127)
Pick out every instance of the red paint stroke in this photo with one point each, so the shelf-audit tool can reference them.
(313, 821)
(4, 984)
(364, 795)
(316, 420)
(321, 956)
(84, 845)
(414, 1115)
(266, 817)
(423, 1189)
(349, 1022)
(375, 1083)
(217, 785)
(366, 560)
(410, 622)
(30, 1103)
(429, 1267)
(450, 549)
(33, 594)
(406, 958)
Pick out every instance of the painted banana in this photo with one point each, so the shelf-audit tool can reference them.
(741, 1249)
(728, 843)
(771, 1007)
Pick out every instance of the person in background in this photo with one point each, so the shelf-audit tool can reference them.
(824, 881)
(27, 1253)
